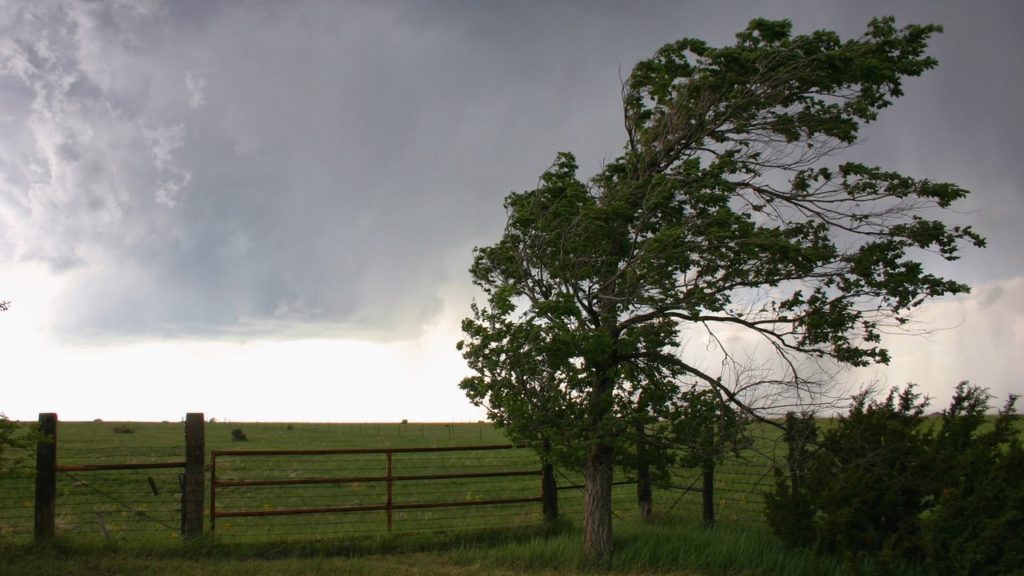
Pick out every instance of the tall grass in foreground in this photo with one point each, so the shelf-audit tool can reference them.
(640, 548)
(667, 548)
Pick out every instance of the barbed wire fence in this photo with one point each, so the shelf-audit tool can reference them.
(741, 481)
(119, 505)
(17, 492)
(146, 505)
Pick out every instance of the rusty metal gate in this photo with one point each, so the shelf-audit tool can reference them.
(278, 483)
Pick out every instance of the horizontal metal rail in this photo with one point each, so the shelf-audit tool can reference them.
(343, 451)
(101, 467)
(377, 507)
(359, 479)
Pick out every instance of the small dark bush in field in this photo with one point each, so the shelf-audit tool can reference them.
(238, 435)
(124, 430)
(290, 427)
(405, 420)
(98, 420)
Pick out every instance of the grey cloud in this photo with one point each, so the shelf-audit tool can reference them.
(241, 167)
(991, 296)
(195, 86)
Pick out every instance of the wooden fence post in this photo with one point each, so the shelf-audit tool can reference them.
(389, 502)
(644, 490)
(708, 494)
(46, 478)
(549, 492)
(192, 496)
(548, 486)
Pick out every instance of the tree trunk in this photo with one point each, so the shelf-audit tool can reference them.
(597, 506)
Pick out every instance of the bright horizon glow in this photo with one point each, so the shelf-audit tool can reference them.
(307, 380)
(348, 380)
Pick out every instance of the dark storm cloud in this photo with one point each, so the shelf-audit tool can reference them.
(961, 122)
(214, 168)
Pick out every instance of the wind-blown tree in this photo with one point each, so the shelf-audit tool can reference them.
(728, 212)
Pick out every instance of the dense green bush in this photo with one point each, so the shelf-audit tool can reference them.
(977, 520)
(8, 441)
(886, 481)
(789, 509)
(17, 445)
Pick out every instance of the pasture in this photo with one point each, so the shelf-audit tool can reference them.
(116, 517)
(144, 505)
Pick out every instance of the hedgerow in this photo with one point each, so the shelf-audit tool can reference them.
(887, 482)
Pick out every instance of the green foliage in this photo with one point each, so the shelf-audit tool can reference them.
(978, 515)
(17, 445)
(590, 284)
(868, 482)
(883, 481)
(238, 435)
(726, 209)
(705, 427)
(124, 429)
(789, 509)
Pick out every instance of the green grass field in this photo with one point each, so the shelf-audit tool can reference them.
(114, 522)
(125, 506)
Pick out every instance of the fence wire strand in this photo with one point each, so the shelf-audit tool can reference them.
(136, 504)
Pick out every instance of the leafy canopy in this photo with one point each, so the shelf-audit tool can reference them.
(728, 210)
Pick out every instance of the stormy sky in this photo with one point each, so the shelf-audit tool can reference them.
(235, 195)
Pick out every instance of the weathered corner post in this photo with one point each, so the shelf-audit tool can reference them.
(192, 495)
(46, 478)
